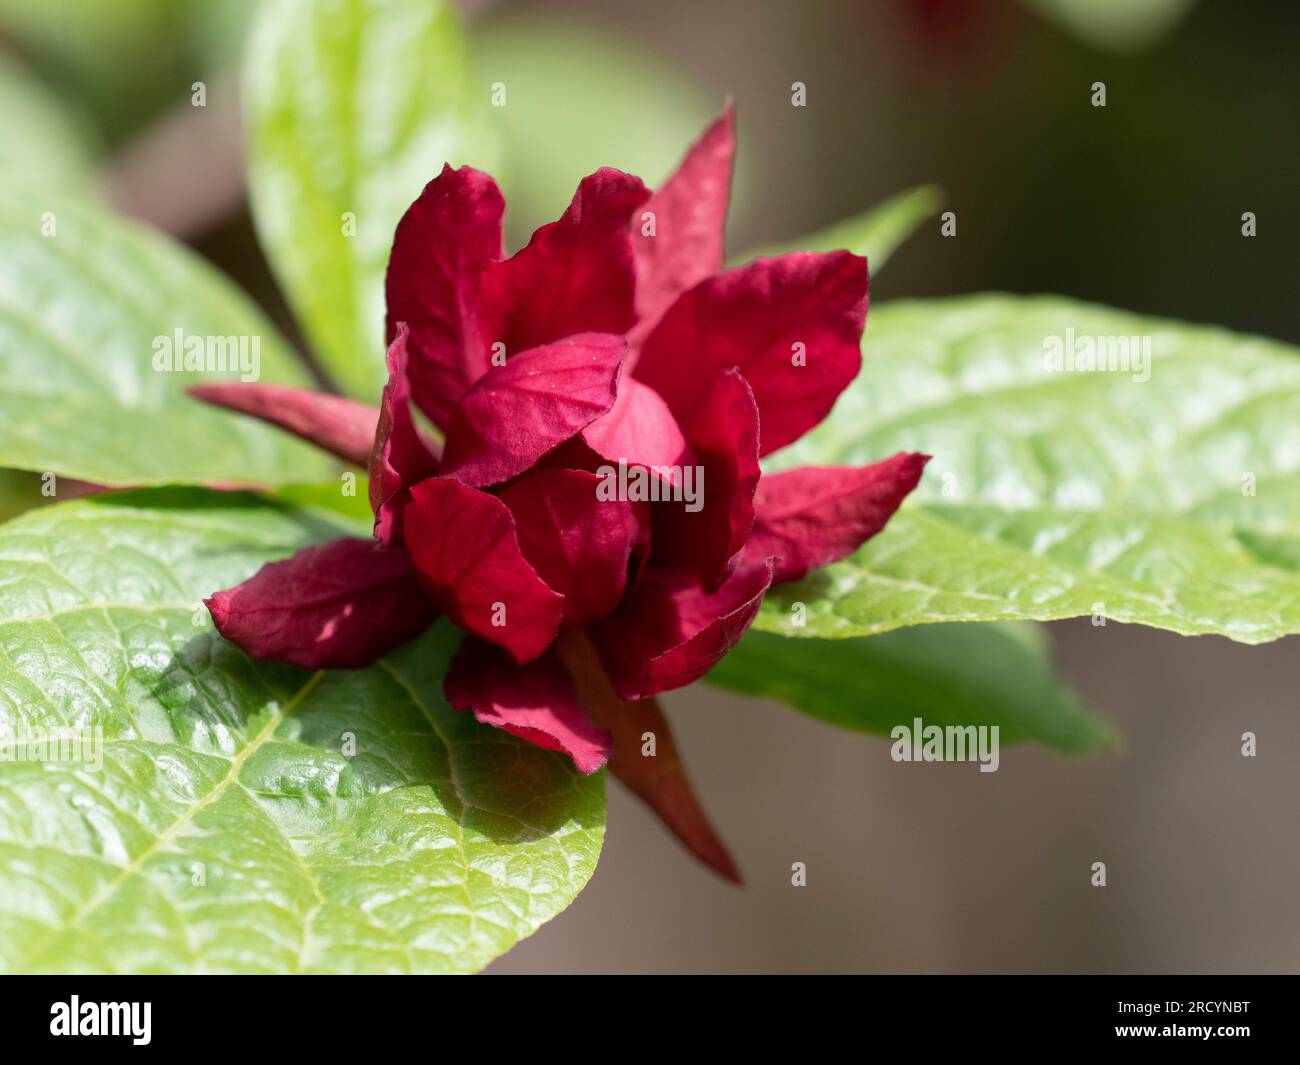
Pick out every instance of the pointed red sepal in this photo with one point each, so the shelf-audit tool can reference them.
(659, 781)
(816, 515)
(690, 213)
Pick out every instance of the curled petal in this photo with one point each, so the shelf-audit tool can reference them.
(705, 537)
(339, 605)
(792, 325)
(536, 702)
(670, 631)
(640, 430)
(441, 248)
(340, 426)
(660, 779)
(817, 515)
(518, 412)
(464, 545)
(690, 214)
(575, 275)
(579, 542)
(400, 456)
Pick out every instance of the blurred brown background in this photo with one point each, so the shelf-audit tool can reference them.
(910, 867)
(939, 868)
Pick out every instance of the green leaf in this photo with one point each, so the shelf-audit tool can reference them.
(352, 106)
(618, 104)
(998, 674)
(1123, 26)
(874, 234)
(351, 509)
(81, 312)
(1172, 502)
(43, 141)
(232, 826)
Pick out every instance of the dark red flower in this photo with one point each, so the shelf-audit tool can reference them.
(594, 517)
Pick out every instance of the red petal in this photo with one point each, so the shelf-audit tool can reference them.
(755, 318)
(690, 212)
(708, 541)
(659, 780)
(536, 702)
(342, 427)
(339, 605)
(463, 542)
(639, 430)
(400, 457)
(670, 631)
(443, 244)
(817, 515)
(575, 275)
(579, 543)
(518, 412)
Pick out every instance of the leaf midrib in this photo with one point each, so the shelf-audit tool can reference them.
(173, 830)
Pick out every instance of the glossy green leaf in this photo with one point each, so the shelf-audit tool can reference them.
(87, 303)
(246, 816)
(1172, 501)
(996, 674)
(874, 234)
(352, 106)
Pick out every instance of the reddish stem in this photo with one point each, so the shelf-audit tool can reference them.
(343, 427)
